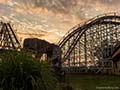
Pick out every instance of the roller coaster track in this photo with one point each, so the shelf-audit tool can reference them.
(92, 41)
(8, 39)
(86, 45)
(87, 24)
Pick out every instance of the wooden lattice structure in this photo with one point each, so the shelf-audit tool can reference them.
(89, 46)
(8, 39)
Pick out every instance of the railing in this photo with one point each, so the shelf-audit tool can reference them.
(86, 22)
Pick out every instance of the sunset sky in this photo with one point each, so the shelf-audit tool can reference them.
(51, 19)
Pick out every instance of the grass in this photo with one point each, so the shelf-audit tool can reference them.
(93, 82)
(19, 71)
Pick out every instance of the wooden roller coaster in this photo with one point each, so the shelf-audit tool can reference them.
(88, 47)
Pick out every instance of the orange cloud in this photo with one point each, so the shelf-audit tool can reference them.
(3, 1)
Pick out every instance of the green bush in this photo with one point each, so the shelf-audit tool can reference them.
(19, 71)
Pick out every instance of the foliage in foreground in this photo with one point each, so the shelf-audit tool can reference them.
(19, 71)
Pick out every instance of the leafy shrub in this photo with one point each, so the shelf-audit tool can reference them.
(19, 71)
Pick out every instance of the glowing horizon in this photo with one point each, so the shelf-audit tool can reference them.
(53, 18)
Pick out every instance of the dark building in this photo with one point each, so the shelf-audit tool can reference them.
(116, 61)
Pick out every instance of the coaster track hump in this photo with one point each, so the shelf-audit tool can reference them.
(91, 36)
(8, 38)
